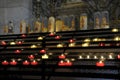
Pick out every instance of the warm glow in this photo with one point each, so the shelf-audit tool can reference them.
(62, 56)
(72, 45)
(12, 43)
(111, 56)
(60, 45)
(45, 56)
(114, 30)
(100, 64)
(40, 38)
(85, 44)
(33, 46)
(73, 59)
(80, 57)
(87, 40)
(117, 38)
(5, 62)
(50, 53)
(102, 57)
(96, 39)
(88, 56)
(34, 62)
(95, 57)
(13, 62)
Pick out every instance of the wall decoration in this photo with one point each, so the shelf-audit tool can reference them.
(28, 29)
(51, 24)
(59, 24)
(83, 21)
(72, 22)
(105, 19)
(23, 26)
(10, 27)
(65, 23)
(37, 26)
(44, 25)
(6, 29)
(97, 20)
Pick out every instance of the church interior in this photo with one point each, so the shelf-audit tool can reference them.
(59, 39)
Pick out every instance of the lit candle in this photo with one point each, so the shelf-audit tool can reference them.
(34, 62)
(42, 51)
(40, 38)
(87, 40)
(80, 57)
(118, 56)
(3, 43)
(72, 45)
(62, 56)
(71, 40)
(26, 62)
(68, 63)
(117, 38)
(60, 45)
(57, 37)
(101, 44)
(5, 62)
(114, 30)
(85, 44)
(33, 46)
(95, 39)
(95, 57)
(110, 56)
(102, 57)
(31, 57)
(13, 62)
(52, 34)
(17, 51)
(45, 56)
(19, 42)
(88, 56)
(100, 64)
(12, 43)
(23, 35)
(61, 63)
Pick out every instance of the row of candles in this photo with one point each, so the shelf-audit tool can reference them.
(62, 57)
(64, 61)
(34, 62)
(100, 63)
(71, 44)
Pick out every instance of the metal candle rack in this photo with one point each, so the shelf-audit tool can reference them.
(85, 53)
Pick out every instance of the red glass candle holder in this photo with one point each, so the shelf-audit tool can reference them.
(61, 63)
(17, 51)
(23, 35)
(34, 63)
(26, 63)
(118, 56)
(100, 64)
(19, 43)
(101, 44)
(62, 56)
(5, 63)
(3, 43)
(13, 62)
(71, 40)
(68, 63)
(57, 37)
(52, 34)
(42, 51)
(31, 56)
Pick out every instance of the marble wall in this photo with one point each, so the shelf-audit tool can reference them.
(14, 10)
